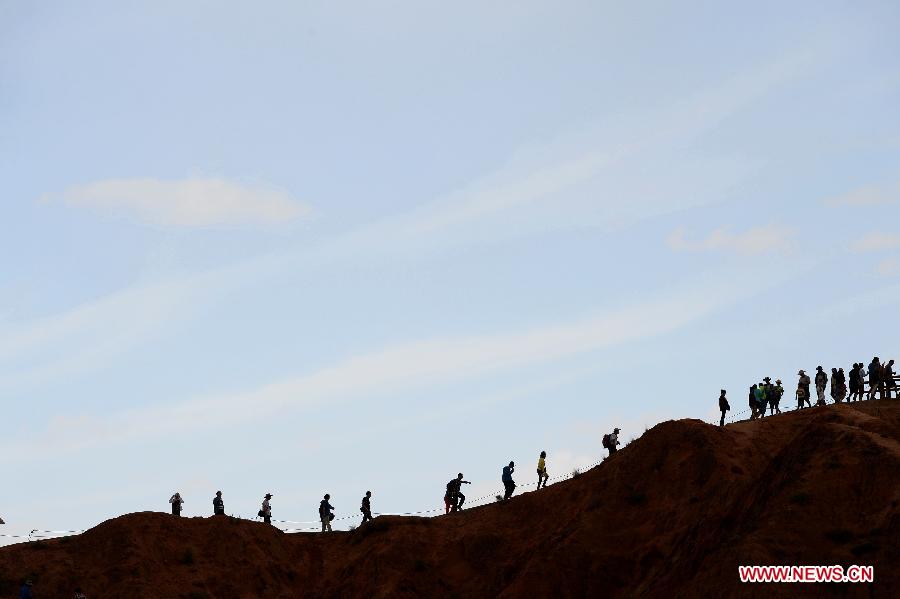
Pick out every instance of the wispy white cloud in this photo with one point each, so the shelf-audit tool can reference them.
(195, 202)
(869, 195)
(758, 240)
(392, 370)
(876, 241)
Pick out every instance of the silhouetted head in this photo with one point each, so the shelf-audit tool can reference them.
(459, 476)
(218, 493)
(615, 430)
(368, 493)
(890, 362)
(512, 464)
(754, 386)
(802, 372)
(767, 380)
(819, 368)
(834, 370)
(327, 496)
(268, 496)
(543, 454)
(777, 381)
(723, 391)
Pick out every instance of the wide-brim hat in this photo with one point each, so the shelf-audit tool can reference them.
(778, 381)
(615, 430)
(802, 372)
(268, 496)
(768, 378)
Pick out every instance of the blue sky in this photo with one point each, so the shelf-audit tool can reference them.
(331, 247)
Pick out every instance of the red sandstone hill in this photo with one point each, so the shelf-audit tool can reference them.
(671, 515)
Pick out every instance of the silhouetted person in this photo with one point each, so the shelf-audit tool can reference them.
(803, 390)
(542, 470)
(611, 440)
(453, 498)
(176, 502)
(325, 513)
(25, 591)
(266, 512)
(887, 376)
(775, 398)
(855, 382)
(874, 377)
(366, 507)
(821, 383)
(218, 505)
(509, 484)
(723, 407)
(752, 403)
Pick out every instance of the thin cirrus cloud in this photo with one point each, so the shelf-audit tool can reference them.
(876, 242)
(193, 202)
(869, 195)
(758, 240)
(392, 370)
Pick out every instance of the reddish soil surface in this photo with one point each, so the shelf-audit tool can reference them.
(671, 515)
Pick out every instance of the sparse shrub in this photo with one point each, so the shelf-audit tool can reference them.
(576, 473)
(801, 498)
(498, 498)
(839, 536)
(351, 528)
(187, 558)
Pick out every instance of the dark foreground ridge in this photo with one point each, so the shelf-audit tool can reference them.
(672, 515)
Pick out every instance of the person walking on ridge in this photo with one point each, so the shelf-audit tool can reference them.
(777, 392)
(874, 377)
(325, 513)
(888, 375)
(752, 403)
(803, 390)
(453, 498)
(611, 440)
(821, 383)
(366, 507)
(509, 484)
(854, 383)
(723, 407)
(176, 502)
(218, 505)
(542, 470)
(266, 512)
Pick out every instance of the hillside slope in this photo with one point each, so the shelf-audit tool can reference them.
(673, 515)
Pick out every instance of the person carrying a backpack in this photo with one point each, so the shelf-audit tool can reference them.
(176, 502)
(366, 507)
(453, 498)
(325, 513)
(266, 512)
(611, 440)
(723, 407)
(509, 484)
(542, 470)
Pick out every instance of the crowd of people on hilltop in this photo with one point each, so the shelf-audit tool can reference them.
(882, 380)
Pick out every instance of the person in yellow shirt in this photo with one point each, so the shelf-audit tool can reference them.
(542, 470)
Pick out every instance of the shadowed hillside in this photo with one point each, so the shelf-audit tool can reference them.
(673, 514)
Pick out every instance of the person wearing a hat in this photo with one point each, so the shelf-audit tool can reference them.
(803, 390)
(218, 505)
(266, 511)
(723, 407)
(25, 591)
(176, 502)
(325, 513)
(613, 441)
(821, 383)
(775, 399)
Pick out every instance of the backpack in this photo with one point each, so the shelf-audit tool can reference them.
(606, 441)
